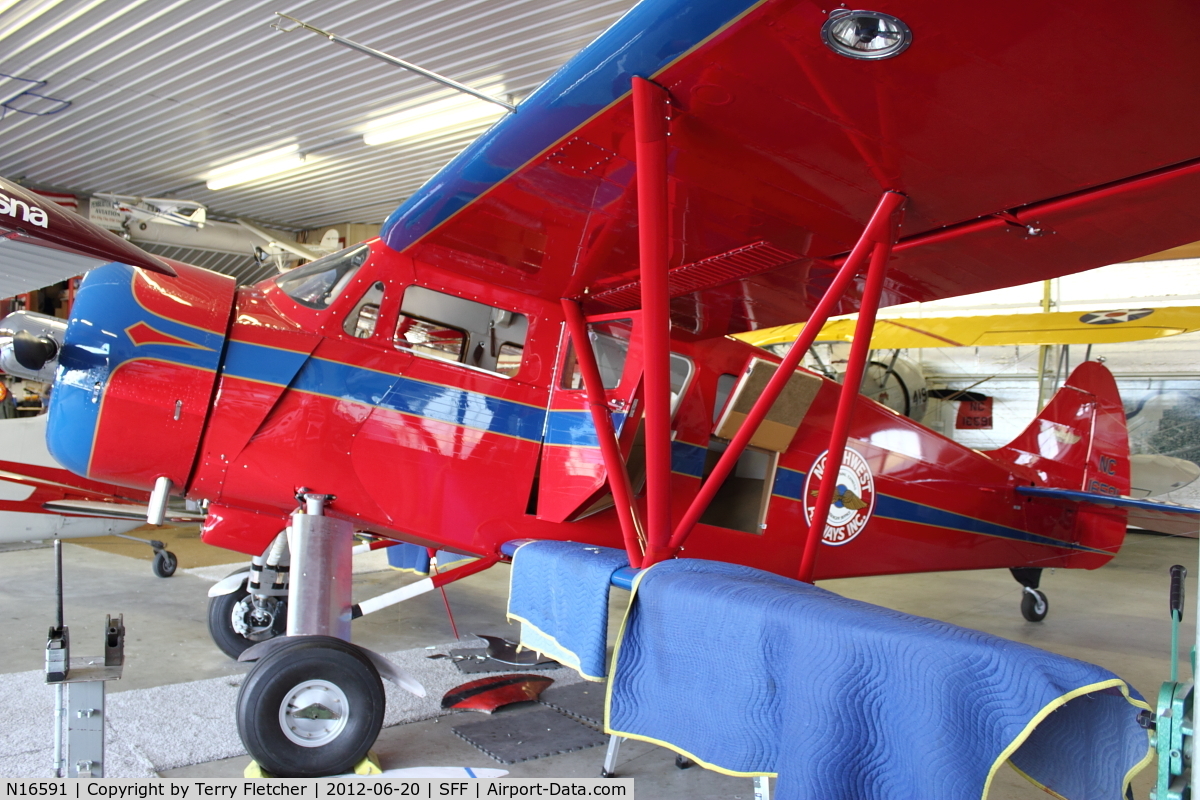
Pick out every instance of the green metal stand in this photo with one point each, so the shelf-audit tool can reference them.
(1171, 726)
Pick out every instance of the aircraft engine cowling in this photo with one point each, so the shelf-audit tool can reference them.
(137, 372)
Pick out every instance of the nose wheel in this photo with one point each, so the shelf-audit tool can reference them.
(311, 707)
(165, 563)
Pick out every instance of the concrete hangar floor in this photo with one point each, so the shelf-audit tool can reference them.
(172, 714)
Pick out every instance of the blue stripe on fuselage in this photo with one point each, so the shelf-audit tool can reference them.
(447, 404)
(688, 458)
(567, 428)
(256, 362)
(908, 511)
(789, 483)
(648, 38)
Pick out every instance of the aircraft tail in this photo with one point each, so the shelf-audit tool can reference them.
(1079, 443)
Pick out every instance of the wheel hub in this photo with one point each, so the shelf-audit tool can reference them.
(1039, 602)
(313, 713)
(255, 621)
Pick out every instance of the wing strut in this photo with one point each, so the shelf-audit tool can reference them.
(884, 237)
(876, 241)
(610, 452)
(650, 108)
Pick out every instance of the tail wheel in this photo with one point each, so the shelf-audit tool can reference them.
(236, 621)
(312, 707)
(1034, 605)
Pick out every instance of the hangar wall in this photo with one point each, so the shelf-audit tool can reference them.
(1159, 379)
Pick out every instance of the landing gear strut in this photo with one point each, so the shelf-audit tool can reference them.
(1034, 605)
(313, 703)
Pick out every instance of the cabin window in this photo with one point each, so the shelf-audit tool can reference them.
(362, 319)
(635, 464)
(741, 502)
(610, 343)
(725, 384)
(316, 284)
(438, 325)
(508, 361)
(681, 376)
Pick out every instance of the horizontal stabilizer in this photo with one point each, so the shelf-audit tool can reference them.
(1149, 514)
(95, 508)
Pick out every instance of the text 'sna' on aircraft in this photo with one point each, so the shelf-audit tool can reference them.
(554, 305)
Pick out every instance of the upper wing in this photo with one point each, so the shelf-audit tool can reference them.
(1030, 144)
(989, 330)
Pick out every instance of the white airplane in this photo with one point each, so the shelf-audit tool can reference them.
(278, 249)
(164, 210)
(41, 500)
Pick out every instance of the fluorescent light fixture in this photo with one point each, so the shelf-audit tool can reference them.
(451, 115)
(251, 169)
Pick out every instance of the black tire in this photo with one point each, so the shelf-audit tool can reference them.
(220, 622)
(683, 762)
(334, 678)
(1034, 608)
(164, 564)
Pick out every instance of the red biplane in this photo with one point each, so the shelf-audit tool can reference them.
(535, 347)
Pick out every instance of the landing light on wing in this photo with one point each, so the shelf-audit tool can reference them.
(868, 35)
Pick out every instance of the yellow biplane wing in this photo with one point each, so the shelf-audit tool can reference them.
(1060, 327)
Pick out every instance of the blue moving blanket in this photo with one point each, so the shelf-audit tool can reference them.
(414, 558)
(559, 592)
(750, 673)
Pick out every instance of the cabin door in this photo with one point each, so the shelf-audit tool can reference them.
(572, 480)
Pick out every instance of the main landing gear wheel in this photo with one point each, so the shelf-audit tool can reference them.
(312, 707)
(1034, 605)
(236, 620)
(164, 564)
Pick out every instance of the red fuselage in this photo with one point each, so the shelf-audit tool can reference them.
(435, 429)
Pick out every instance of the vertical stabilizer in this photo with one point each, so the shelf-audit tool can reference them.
(1079, 442)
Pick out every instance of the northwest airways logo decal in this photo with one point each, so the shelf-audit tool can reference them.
(853, 497)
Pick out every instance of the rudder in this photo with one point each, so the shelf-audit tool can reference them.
(1079, 442)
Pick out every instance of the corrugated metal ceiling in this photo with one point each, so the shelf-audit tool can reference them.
(242, 268)
(161, 93)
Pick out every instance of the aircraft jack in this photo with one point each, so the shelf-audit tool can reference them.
(79, 691)
(1172, 729)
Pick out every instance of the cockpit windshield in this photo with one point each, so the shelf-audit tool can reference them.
(316, 284)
